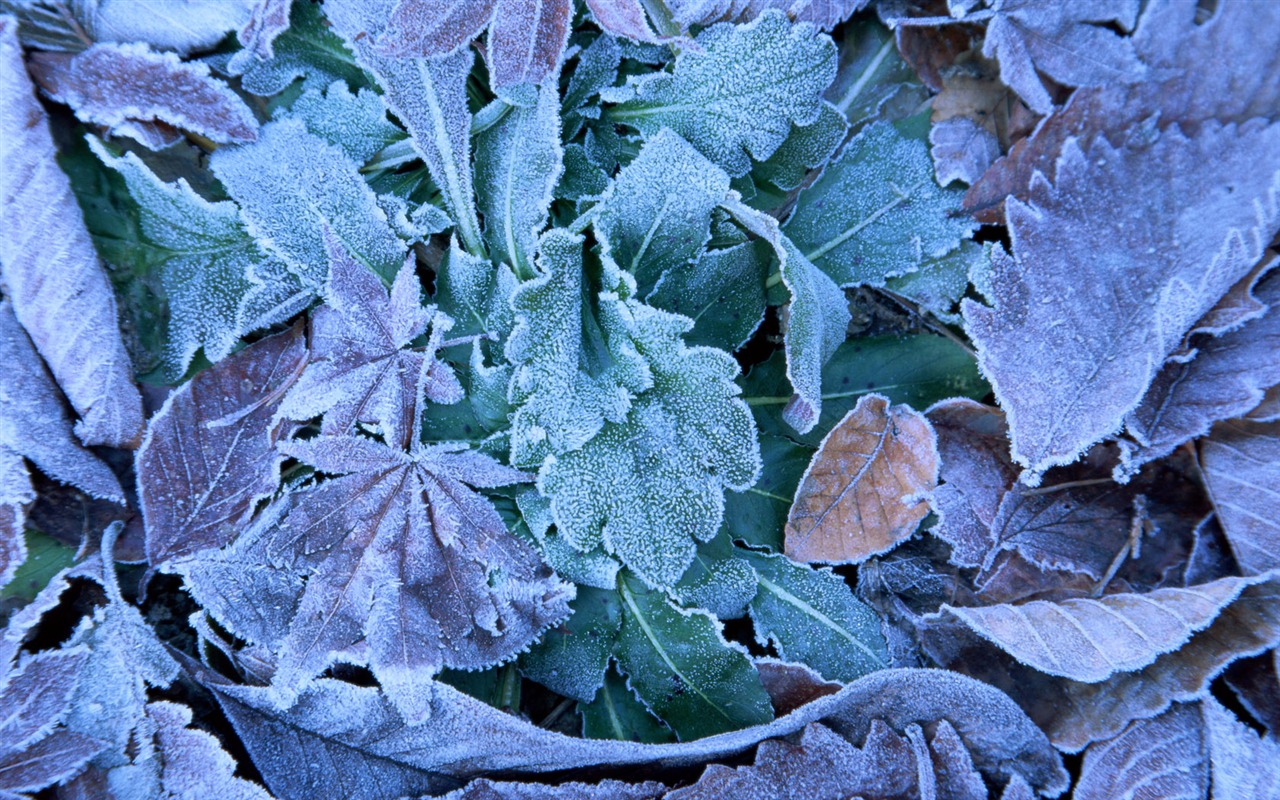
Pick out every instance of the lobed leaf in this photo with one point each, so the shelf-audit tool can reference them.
(572, 659)
(616, 713)
(356, 123)
(826, 14)
(306, 49)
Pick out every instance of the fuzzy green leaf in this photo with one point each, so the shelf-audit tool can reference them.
(572, 658)
(718, 581)
(806, 147)
(307, 50)
(723, 292)
(357, 123)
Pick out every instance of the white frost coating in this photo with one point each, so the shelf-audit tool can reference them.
(518, 162)
(290, 184)
(723, 292)
(656, 214)
(1244, 765)
(1111, 266)
(51, 273)
(806, 147)
(1166, 756)
(219, 284)
(357, 123)
(735, 96)
(191, 763)
(826, 14)
(1241, 465)
(184, 26)
(877, 211)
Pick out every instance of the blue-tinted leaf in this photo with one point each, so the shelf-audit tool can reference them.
(571, 659)
(718, 581)
(723, 292)
(805, 148)
(357, 123)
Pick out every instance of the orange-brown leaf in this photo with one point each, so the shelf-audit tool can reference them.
(864, 490)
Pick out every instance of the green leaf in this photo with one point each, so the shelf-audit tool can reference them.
(806, 147)
(648, 487)
(723, 292)
(594, 567)
(476, 294)
(877, 210)
(811, 616)
(616, 713)
(572, 659)
(873, 81)
(46, 556)
(918, 370)
(307, 50)
(219, 284)
(681, 667)
(657, 213)
(718, 580)
(518, 162)
(940, 283)
(356, 123)
(581, 178)
(735, 95)
(290, 184)
(758, 516)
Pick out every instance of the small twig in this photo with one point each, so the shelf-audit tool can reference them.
(1058, 487)
(927, 319)
(556, 713)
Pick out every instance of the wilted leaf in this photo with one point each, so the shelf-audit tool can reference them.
(208, 456)
(737, 94)
(810, 615)
(877, 211)
(49, 286)
(1165, 756)
(134, 91)
(826, 14)
(1106, 277)
(1243, 765)
(864, 491)
(1241, 465)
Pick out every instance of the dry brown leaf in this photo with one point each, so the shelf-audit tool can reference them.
(864, 490)
(1241, 465)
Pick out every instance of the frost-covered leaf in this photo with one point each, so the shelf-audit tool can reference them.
(1090, 640)
(518, 162)
(359, 371)
(872, 80)
(864, 490)
(736, 95)
(357, 123)
(622, 18)
(616, 713)
(679, 664)
(1073, 45)
(650, 486)
(429, 97)
(290, 184)
(219, 284)
(36, 752)
(476, 294)
(433, 28)
(805, 148)
(816, 319)
(656, 215)
(826, 14)
(307, 49)
(572, 659)
(1227, 377)
(1240, 461)
(758, 516)
(207, 457)
(1108, 273)
(1165, 756)
(192, 763)
(718, 581)
(1243, 765)
(185, 26)
(877, 211)
(485, 789)
(49, 286)
(811, 616)
(961, 150)
(269, 19)
(723, 292)
(409, 563)
(575, 369)
(132, 90)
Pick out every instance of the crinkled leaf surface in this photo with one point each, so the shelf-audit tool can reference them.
(411, 563)
(485, 789)
(270, 18)
(1109, 271)
(805, 148)
(1165, 756)
(572, 659)
(877, 210)
(357, 123)
(1240, 461)
(51, 286)
(864, 491)
(307, 49)
(134, 91)
(191, 762)
(736, 96)
(208, 457)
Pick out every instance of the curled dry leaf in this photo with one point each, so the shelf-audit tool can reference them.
(864, 490)
(61, 294)
(269, 19)
(1241, 465)
(208, 455)
(131, 90)
(1165, 756)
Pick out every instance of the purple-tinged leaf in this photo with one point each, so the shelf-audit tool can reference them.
(826, 14)
(270, 18)
(191, 763)
(1227, 377)
(1269, 409)
(132, 90)
(60, 294)
(953, 770)
(485, 789)
(961, 149)
(622, 18)
(359, 370)
(411, 570)
(1244, 766)
(527, 40)
(433, 28)
(1090, 640)
(208, 454)
(44, 762)
(1108, 273)
(36, 695)
(1240, 461)
(1165, 757)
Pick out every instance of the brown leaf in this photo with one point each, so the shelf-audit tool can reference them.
(792, 685)
(51, 273)
(1269, 409)
(270, 18)
(863, 492)
(1244, 765)
(1241, 465)
(208, 456)
(623, 18)
(1165, 756)
(433, 28)
(130, 89)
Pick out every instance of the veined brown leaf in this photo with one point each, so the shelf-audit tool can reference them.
(865, 489)
(59, 290)
(1241, 465)
(1165, 757)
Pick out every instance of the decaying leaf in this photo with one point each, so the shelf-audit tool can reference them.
(208, 456)
(1070, 355)
(485, 789)
(134, 91)
(269, 19)
(1241, 464)
(961, 150)
(1165, 756)
(865, 490)
(61, 295)
(1243, 764)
